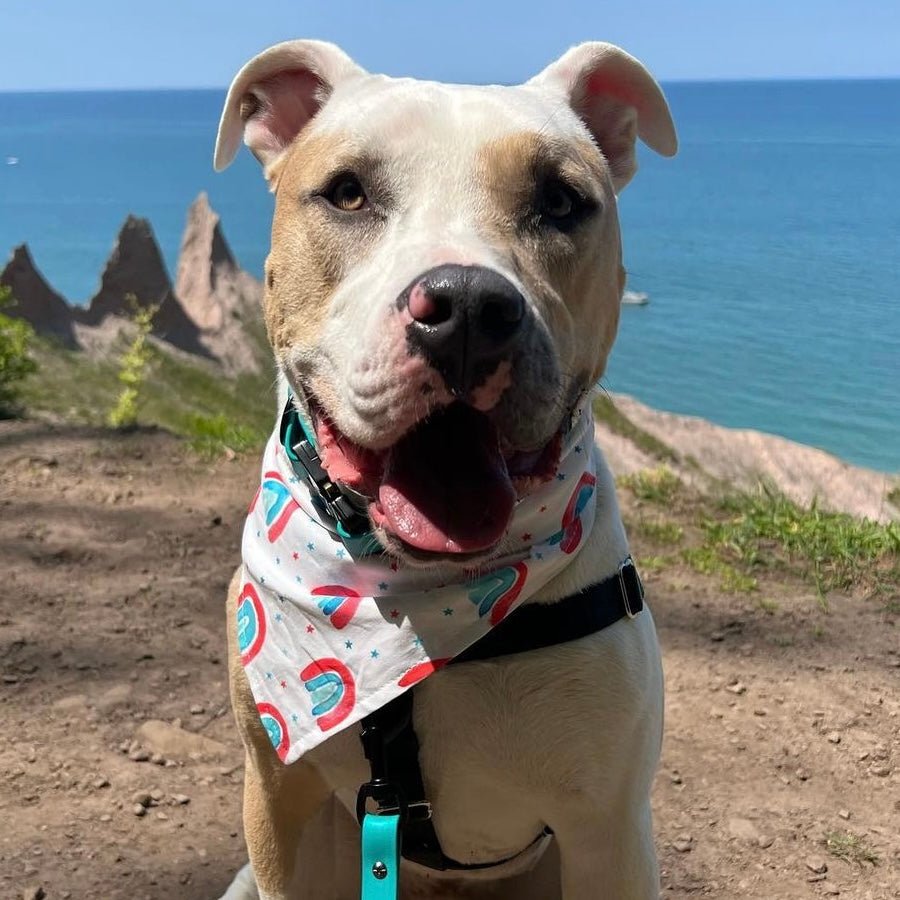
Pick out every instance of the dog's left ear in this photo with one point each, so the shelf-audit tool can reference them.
(276, 94)
(617, 99)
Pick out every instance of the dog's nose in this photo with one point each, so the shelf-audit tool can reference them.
(465, 319)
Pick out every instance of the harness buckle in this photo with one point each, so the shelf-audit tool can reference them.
(632, 588)
(389, 801)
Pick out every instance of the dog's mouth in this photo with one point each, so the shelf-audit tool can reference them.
(446, 487)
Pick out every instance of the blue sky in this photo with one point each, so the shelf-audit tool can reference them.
(75, 44)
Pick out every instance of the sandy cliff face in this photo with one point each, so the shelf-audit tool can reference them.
(741, 458)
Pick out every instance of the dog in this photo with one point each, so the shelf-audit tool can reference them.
(442, 291)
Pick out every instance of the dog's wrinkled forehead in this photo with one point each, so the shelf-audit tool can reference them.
(403, 112)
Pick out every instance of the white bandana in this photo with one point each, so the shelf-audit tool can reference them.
(326, 639)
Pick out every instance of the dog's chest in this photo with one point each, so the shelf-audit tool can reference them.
(500, 742)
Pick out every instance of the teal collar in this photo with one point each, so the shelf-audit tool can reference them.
(339, 507)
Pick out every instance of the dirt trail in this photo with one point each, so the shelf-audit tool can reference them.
(115, 552)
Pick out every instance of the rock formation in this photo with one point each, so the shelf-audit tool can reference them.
(222, 299)
(35, 300)
(136, 268)
(215, 310)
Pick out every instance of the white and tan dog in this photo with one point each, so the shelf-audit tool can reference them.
(433, 247)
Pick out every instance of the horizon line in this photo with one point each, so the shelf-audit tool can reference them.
(753, 79)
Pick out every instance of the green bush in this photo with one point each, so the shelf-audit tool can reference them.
(133, 367)
(15, 363)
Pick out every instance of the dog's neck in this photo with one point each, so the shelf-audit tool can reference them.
(326, 637)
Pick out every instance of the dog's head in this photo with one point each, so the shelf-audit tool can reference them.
(445, 274)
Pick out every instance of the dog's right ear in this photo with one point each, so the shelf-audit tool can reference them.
(276, 94)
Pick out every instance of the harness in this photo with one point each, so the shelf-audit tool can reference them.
(393, 810)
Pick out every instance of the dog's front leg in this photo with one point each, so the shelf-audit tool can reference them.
(607, 856)
(278, 801)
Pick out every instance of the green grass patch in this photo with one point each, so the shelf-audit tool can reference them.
(659, 485)
(661, 531)
(654, 563)
(850, 847)
(893, 495)
(708, 561)
(213, 435)
(833, 550)
(607, 412)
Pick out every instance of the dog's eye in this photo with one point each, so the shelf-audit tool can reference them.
(560, 205)
(346, 193)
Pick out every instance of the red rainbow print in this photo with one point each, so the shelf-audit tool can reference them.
(251, 623)
(332, 691)
(339, 603)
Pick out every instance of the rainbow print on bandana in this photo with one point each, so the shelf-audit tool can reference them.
(339, 603)
(572, 530)
(326, 636)
(332, 691)
(251, 623)
(496, 592)
(278, 504)
(276, 728)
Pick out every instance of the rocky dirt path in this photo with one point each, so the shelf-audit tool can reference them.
(120, 769)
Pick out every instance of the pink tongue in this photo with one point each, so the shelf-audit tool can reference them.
(445, 487)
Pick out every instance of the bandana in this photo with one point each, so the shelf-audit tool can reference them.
(327, 635)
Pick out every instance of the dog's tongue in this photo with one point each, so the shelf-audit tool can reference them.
(446, 488)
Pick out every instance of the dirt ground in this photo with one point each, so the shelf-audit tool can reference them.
(783, 721)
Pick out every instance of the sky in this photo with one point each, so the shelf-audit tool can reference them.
(116, 44)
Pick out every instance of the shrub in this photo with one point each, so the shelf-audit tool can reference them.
(133, 367)
(15, 363)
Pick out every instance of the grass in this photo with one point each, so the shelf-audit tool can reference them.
(188, 398)
(708, 561)
(651, 563)
(893, 495)
(850, 847)
(661, 531)
(741, 535)
(213, 434)
(833, 550)
(607, 412)
(659, 485)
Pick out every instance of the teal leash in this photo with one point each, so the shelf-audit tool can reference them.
(380, 857)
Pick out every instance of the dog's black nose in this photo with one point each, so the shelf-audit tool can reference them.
(465, 319)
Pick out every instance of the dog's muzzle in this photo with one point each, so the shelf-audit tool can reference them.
(465, 321)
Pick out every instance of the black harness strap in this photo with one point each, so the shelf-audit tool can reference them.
(390, 741)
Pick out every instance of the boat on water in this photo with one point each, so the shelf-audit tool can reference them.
(635, 298)
(12, 160)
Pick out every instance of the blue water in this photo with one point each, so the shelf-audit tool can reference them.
(770, 246)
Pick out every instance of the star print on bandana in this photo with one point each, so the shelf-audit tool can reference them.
(343, 635)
